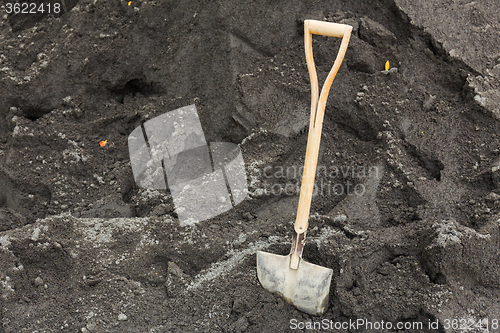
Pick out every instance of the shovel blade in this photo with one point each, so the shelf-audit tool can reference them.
(307, 288)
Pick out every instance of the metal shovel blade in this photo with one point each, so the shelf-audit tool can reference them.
(307, 288)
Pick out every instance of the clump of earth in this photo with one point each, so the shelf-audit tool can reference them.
(407, 201)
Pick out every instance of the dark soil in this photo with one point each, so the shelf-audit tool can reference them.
(406, 212)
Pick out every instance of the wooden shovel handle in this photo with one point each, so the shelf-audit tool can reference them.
(317, 110)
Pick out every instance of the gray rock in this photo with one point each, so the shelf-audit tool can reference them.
(429, 102)
(38, 282)
(361, 56)
(122, 317)
(174, 269)
(446, 22)
(485, 91)
(376, 34)
(240, 325)
(492, 197)
(386, 269)
(91, 326)
(240, 305)
(452, 255)
(341, 218)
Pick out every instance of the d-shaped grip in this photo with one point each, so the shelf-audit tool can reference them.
(327, 28)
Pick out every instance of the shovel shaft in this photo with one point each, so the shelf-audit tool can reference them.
(317, 111)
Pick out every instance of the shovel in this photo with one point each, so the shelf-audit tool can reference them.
(302, 284)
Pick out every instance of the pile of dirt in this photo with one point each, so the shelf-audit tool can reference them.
(407, 205)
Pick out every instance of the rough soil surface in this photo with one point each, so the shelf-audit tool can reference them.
(407, 211)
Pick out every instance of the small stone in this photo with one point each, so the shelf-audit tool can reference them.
(385, 269)
(92, 281)
(429, 102)
(480, 100)
(341, 218)
(363, 58)
(35, 234)
(171, 286)
(84, 330)
(390, 71)
(18, 268)
(242, 238)
(240, 305)
(122, 317)
(492, 197)
(247, 216)
(174, 269)
(4, 241)
(240, 325)
(38, 282)
(376, 34)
